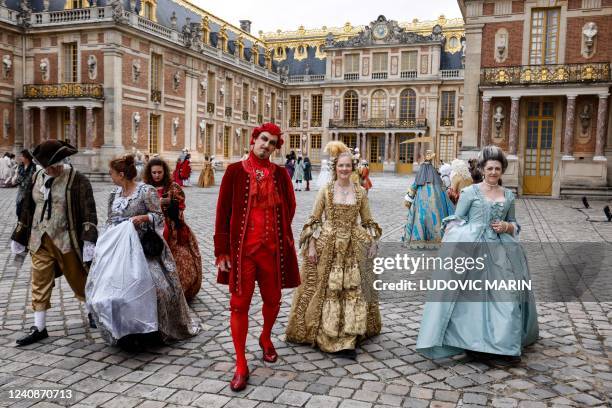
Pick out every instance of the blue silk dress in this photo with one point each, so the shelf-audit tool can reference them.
(430, 205)
(497, 327)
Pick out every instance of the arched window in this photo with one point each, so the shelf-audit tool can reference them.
(351, 108)
(379, 105)
(407, 105)
(148, 9)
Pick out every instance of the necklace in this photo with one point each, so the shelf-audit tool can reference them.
(490, 185)
(344, 192)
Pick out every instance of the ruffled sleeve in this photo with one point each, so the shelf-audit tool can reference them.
(510, 215)
(153, 205)
(462, 210)
(312, 228)
(367, 221)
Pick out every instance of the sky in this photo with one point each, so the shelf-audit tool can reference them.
(270, 15)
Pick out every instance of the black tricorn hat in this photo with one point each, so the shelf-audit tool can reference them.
(52, 151)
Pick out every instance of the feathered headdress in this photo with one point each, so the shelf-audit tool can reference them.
(335, 148)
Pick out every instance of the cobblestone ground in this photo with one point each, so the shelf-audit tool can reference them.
(568, 366)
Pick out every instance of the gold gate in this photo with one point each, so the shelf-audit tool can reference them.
(376, 152)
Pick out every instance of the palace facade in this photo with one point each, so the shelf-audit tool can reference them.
(537, 83)
(160, 76)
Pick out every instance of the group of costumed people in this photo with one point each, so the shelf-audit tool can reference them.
(14, 171)
(137, 276)
(334, 307)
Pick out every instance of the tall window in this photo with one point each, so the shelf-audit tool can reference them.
(317, 110)
(226, 141)
(245, 97)
(208, 139)
(351, 64)
(210, 88)
(70, 62)
(156, 77)
(379, 62)
(260, 104)
(544, 36)
(154, 134)
(409, 61)
(407, 105)
(229, 92)
(295, 103)
(315, 148)
(351, 108)
(448, 108)
(205, 31)
(294, 142)
(379, 104)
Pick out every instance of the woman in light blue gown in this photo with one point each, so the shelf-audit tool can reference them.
(492, 326)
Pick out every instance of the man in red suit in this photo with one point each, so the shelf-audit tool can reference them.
(254, 242)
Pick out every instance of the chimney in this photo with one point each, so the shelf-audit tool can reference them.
(245, 25)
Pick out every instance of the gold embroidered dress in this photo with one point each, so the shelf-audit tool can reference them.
(335, 306)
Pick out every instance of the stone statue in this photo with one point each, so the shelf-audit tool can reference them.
(176, 80)
(44, 69)
(585, 119)
(7, 65)
(589, 31)
(92, 66)
(135, 70)
(498, 118)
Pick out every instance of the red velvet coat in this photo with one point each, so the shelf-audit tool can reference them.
(233, 208)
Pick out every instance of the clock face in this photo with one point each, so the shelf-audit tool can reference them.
(380, 31)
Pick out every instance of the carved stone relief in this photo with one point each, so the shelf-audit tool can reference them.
(589, 39)
(501, 45)
(92, 67)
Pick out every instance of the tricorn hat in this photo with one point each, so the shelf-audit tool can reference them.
(53, 151)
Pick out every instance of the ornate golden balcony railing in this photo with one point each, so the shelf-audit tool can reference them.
(546, 74)
(60, 91)
(420, 123)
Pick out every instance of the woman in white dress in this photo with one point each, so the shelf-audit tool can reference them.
(324, 175)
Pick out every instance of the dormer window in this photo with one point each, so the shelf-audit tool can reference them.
(148, 9)
(76, 4)
(279, 53)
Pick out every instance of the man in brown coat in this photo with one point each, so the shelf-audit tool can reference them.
(58, 225)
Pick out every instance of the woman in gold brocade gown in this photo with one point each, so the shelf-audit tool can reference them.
(335, 307)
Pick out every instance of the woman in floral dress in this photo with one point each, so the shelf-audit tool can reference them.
(181, 240)
(139, 204)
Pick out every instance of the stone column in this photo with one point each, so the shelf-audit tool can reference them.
(417, 149)
(386, 155)
(364, 145)
(485, 128)
(392, 148)
(473, 36)
(514, 125)
(72, 126)
(89, 128)
(43, 124)
(602, 112)
(568, 137)
(27, 127)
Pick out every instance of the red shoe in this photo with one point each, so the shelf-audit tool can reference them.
(239, 382)
(269, 355)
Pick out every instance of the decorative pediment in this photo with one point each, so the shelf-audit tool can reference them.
(385, 32)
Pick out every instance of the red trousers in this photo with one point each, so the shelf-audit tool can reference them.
(260, 267)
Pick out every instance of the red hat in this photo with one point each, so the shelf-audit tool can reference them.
(270, 128)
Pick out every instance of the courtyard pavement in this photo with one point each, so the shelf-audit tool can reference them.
(568, 366)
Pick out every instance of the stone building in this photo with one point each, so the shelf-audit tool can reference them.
(160, 76)
(537, 83)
